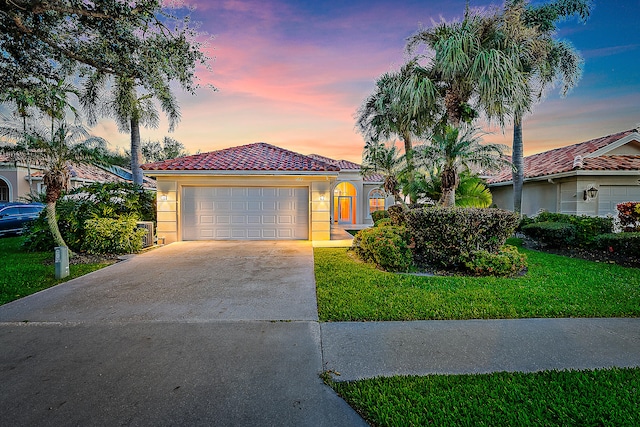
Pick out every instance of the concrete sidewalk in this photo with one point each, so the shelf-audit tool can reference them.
(359, 350)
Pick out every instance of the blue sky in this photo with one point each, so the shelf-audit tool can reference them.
(293, 73)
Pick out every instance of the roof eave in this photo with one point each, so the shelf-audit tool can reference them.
(577, 172)
(237, 173)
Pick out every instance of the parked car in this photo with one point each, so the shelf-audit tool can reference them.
(14, 216)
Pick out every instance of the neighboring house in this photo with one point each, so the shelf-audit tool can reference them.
(14, 178)
(259, 191)
(589, 178)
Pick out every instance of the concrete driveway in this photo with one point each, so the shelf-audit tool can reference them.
(194, 333)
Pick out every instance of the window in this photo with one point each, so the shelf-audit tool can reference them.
(376, 201)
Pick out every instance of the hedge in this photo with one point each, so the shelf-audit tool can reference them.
(552, 234)
(628, 243)
(446, 237)
(386, 246)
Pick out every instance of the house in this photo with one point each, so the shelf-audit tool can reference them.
(260, 191)
(589, 178)
(15, 182)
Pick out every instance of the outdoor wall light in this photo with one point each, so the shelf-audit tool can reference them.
(590, 193)
(322, 198)
(163, 197)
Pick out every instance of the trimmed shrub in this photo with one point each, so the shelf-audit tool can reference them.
(397, 215)
(627, 243)
(629, 216)
(386, 246)
(378, 215)
(112, 236)
(586, 227)
(446, 237)
(552, 234)
(384, 222)
(507, 262)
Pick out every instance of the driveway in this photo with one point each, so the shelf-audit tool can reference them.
(193, 333)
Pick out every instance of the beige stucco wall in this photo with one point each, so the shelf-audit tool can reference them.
(629, 149)
(16, 179)
(169, 190)
(564, 195)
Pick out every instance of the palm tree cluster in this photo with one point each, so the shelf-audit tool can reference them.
(493, 64)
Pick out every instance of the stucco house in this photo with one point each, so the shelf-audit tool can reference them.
(589, 178)
(260, 191)
(16, 184)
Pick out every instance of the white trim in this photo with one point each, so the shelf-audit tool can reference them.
(236, 173)
(579, 172)
(635, 136)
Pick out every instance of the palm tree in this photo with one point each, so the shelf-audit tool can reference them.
(378, 158)
(543, 62)
(453, 152)
(467, 63)
(53, 152)
(386, 114)
(472, 192)
(130, 109)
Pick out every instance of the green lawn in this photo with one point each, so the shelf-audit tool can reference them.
(552, 398)
(555, 286)
(24, 273)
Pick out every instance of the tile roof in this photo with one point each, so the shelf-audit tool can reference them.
(252, 157)
(92, 173)
(562, 159)
(346, 164)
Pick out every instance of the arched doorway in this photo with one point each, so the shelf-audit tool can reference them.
(344, 203)
(5, 195)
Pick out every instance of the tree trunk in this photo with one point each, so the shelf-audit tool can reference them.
(408, 153)
(136, 151)
(28, 155)
(518, 163)
(53, 226)
(449, 184)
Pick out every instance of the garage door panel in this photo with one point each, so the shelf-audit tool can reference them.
(609, 196)
(245, 213)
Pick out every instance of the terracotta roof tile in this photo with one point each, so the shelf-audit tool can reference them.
(92, 173)
(562, 159)
(342, 164)
(252, 157)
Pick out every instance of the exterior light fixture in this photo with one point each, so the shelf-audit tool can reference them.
(163, 197)
(322, 198)
(590, 193)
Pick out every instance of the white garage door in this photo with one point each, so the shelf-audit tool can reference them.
(610, 195)
(251, 213)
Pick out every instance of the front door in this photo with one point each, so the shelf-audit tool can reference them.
(345, 210)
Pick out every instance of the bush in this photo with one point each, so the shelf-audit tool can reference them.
(552, 234)
(378, 215)
(586, 227)
(627, 243)
(384, 222)
(629, 215)
(507, 262)
(385, 246)
(113, 236)
(446, 237)
(397, 215)
(108, 200)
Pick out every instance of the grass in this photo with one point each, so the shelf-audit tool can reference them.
(608, 397)
(25, 273)
(555, 286)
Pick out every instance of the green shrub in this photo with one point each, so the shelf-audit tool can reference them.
(386, 246)
(397, 215)
(108, 200)
(627, 243)
(552, 234)
(445, 237)
(507, 262)
(378, 215)
(113, 236)
(586, 227)
(384, 222)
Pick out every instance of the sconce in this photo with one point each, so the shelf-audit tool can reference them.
(163, 197)
(590, 193)
(321, 198)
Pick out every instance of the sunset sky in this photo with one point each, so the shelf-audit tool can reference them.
(293, 73)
